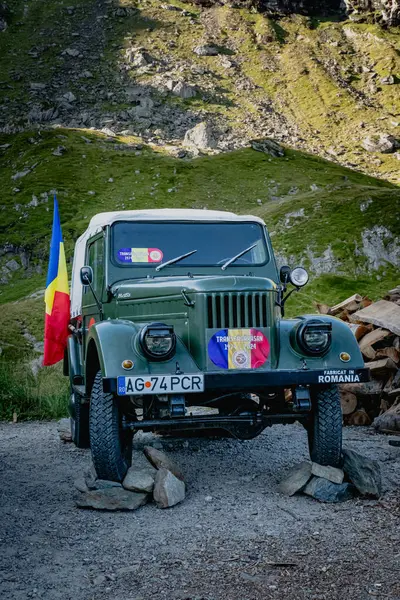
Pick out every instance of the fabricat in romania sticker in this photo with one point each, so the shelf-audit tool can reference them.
(238, 349)
(140, 255)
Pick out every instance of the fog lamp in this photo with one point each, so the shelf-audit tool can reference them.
(158, 341)
(314, 337)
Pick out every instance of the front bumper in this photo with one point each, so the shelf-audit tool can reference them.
(253, 381)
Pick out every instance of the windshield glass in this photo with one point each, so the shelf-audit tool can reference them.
(151, 244)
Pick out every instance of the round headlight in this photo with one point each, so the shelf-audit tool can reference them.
(158, 341)
(298, 277)
(314, 337)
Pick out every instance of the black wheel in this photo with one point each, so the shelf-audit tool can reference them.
(79, 421)
(111, 445)
(325, 427)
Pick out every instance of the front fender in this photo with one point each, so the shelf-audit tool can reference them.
(115, 341)
(343, 340)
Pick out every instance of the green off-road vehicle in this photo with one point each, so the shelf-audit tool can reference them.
(176, 309)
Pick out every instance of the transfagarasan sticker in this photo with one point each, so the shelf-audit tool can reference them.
(238, 349)
(140, 255)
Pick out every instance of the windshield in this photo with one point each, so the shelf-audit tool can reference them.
(151, 244)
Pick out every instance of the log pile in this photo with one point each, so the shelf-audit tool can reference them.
(376, 327)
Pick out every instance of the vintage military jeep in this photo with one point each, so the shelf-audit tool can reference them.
(173, 309)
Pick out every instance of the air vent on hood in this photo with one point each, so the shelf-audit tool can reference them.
(236, 310)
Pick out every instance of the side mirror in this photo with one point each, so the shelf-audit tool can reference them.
(86, 275)
(284, 274)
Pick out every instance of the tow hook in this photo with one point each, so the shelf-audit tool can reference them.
(301, 399)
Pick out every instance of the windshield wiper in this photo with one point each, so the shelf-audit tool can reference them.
(232, 260)
(175, 260)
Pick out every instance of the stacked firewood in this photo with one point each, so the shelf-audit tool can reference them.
(376, 327)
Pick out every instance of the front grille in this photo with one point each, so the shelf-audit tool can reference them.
(235, 310)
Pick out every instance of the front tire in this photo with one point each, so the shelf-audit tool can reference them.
(111, 445)
(325, 427)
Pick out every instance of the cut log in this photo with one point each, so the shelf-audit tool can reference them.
(383, 313)
(323, 309)
(393, 385)
(369, 352)
(389, 421)
(350, 304)
(359, 417)
(348, 400)
(366, 302)
(373, 337)
(360, 330)
(365, 390)
(381, 367)
(389, 352)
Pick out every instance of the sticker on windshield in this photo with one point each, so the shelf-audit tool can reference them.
(140, 255)
(238, 349)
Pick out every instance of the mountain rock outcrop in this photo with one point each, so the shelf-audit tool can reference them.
(384, 11)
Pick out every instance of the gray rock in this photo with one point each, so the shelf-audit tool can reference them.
(71, 52)
(160, 460)
(384, 143)
(64, 430)
(69, 97)
(139, 480)
(105, 484)
(137, 57)
(333, 474)
(37, 86)
(183, 90)
(168, 489)
(206, 50)
(59, 151)
(268, 147)
(326, 491)
(12, 265)
(20, 174)
(115, 498)
(364, 472)
(90, 477)
(296, 479)
(388, 80)
(3, 24)
(80, 484)
(200, 137)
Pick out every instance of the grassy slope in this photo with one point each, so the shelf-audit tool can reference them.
(286, 72)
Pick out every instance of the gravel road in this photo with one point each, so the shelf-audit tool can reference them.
(220, 544)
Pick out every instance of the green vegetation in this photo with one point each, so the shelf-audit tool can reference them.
(44, 396)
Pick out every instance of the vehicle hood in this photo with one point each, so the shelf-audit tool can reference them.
(171, 286)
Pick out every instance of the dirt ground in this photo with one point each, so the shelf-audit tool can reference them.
(220, 544)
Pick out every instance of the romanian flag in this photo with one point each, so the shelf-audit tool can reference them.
(56, 297)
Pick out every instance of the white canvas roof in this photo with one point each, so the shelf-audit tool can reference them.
(100, 220)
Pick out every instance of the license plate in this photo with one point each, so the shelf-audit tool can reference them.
(160, 384)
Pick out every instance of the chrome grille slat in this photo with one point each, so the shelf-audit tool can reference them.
(236, 310)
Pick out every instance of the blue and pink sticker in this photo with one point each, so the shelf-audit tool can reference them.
(239, 349)
(140, 255)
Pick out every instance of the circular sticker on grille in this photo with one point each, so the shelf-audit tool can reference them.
(238, 349)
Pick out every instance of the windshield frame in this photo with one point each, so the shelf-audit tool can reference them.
(182, 265)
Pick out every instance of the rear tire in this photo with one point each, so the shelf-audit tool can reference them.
(325, 428)
(111, 445)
